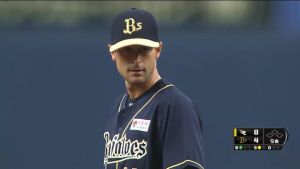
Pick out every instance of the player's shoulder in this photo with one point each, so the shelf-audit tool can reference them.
(175, 95)
(174, 98)
(176, 105)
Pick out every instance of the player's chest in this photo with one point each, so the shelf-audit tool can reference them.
(128, 137)
(133, 121)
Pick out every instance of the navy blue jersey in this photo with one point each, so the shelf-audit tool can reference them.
(161, 129)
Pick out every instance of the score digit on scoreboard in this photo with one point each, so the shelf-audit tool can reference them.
(259, 138)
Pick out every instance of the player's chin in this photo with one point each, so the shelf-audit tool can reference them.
(136, 79)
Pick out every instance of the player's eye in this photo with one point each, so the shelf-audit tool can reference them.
(124, 51)
(145, 49)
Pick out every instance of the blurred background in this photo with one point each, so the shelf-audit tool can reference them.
(239, 60)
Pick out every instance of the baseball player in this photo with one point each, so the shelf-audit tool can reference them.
(153, 125)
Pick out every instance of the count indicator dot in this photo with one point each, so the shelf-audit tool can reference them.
(259, 147)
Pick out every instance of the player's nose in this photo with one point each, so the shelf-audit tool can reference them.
(137, 57)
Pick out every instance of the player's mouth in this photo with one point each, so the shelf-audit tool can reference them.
(137, 70)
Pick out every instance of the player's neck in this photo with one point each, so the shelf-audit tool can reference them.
(135, 91)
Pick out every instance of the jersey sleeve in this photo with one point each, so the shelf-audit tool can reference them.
(181, 134)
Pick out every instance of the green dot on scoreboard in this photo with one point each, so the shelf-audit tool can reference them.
(241, 147)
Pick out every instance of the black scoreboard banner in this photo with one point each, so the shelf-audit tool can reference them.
(259, 138)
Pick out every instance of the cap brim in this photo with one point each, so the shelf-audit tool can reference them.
(134, 41)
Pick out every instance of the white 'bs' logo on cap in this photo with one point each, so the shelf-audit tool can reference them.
(132, 26)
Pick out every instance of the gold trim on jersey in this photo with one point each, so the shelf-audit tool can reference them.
(178, 164)
(170, 85)
(121, 102)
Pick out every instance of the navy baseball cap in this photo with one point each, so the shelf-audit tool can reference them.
(134, 27)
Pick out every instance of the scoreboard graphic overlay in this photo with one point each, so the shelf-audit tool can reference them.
(259, 138)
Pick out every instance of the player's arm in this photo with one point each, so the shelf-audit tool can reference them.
(181, 130)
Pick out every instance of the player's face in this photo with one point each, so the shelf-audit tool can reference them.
(136, 63)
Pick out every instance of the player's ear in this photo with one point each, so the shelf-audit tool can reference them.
(158, 50)
(113, 56)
